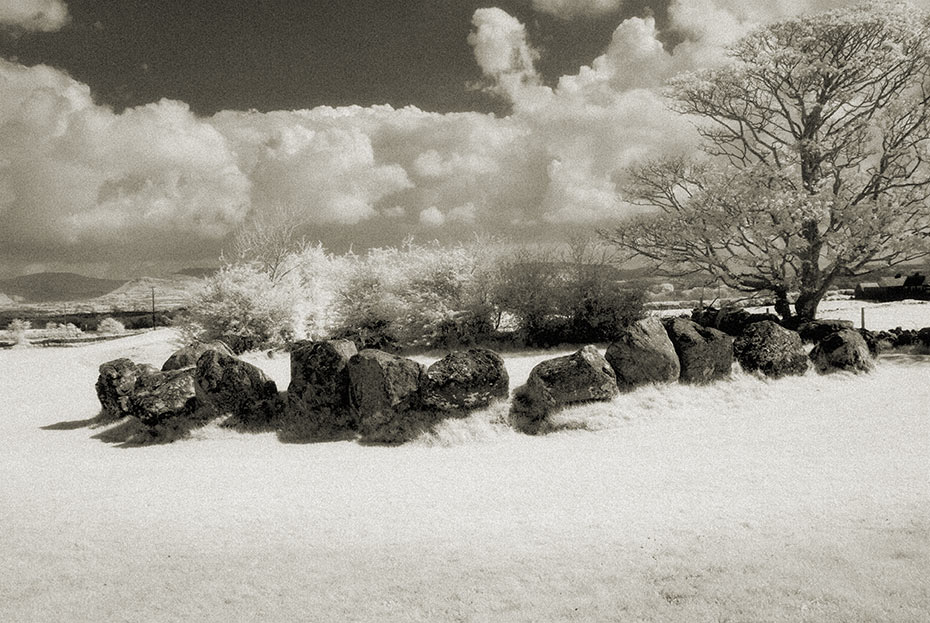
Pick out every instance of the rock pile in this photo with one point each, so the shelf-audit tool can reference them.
(337, 391)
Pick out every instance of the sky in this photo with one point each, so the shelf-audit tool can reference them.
(137, 135)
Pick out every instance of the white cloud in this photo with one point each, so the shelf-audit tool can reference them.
(76, 172)
(503, 53)
(41, 15)
(77, 175)
(575, 8)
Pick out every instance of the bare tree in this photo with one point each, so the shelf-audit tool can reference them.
(271, 238)
(814, 162)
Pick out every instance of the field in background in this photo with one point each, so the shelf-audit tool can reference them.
(804, 499)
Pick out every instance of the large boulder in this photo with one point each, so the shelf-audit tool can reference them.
(162, 395)
(642, 354)
(116, 383)
(875, 341)
(771, 349)
(816, 330)
(187, 357)
(318, 394)
(232, 386)
(384, 392)
(705, 354)
(923, 337)
(466, 380)
(730, 320)
(583, 376)
(842, 350)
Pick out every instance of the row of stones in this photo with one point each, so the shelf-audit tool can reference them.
(337, 390)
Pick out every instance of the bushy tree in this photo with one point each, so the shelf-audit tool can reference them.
(111, 326)
(18, 328)
(814, 158)
(416, 295)
(245, 308)
(573, 297)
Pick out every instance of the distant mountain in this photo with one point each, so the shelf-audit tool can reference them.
(53, 287)
(200, 273)
(170, 292)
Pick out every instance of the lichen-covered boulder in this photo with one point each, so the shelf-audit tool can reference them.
(187, 357)
(923, 337)
(235, 387)
(816, 330)
(318, 393)
(704, 354)
(116, 383)
(583, 376)
(730, 320)
(642, 354)
(876, 341)
(162, 395)
(465, 380)
(384, 393)
(842, 350)
(771, 349)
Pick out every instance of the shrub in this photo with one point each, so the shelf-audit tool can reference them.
(18, 328)
(110, 326)
(421, 296)
(573, 298)
(242, 306)
(62, 331)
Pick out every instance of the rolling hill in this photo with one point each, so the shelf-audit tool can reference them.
(52, 287)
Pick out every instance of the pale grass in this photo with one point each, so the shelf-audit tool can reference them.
(805, 499)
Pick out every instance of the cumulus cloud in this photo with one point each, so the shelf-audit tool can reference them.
(574, 8)
(78, 176)
(40, 15)
(73, 172)
(504, 54)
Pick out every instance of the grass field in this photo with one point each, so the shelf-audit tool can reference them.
(805, 499)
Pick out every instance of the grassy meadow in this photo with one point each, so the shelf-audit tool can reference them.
(804, 499)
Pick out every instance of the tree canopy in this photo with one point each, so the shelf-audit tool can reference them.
(814, 161)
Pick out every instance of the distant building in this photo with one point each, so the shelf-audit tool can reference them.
(895, 288)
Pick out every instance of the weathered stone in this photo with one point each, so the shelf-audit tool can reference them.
(704, 354)
(161, 395)
(642, 354)
(771, 349)
(234, 387)
(465, 380)
(583, 376)
(903, 337)
(384, 392)
(116, 383)
(874, 341)
(318, 393)
(842, 350)
(187, 357)
(817, 330)
(730, 320)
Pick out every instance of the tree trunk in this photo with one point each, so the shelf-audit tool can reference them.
(806, 305)
(782, 305)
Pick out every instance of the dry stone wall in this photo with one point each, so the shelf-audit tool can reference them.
(336, 391)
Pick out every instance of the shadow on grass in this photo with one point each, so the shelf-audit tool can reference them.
(103, 418)
(132, 433)
(129, 432)
(72, 424)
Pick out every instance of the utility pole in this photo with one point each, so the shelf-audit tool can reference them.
(153, 308)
